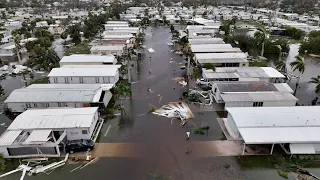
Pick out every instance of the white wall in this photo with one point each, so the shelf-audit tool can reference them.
(80, 63)
(76, 133)
(265, 104)
(4, 152)
(107, 97)
(21, 107)
(86, 80)
(104, 52)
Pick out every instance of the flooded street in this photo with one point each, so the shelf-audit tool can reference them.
(154, 146)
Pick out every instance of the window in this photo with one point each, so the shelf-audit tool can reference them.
(257, 104)
(215, 89)
(81, 80)
(97, 80)
(84, 132)
(28, 105)
(46, 105)
(59, 104)
(66, 80)
(55, 80)
(35, 105)
(106, 80)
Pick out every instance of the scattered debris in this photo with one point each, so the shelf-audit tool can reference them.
(188, 135)
(181, 81)
(170, 44)
(160, 99)
(33, 166)
(2, 124)
(141, 115)
(150, 50)
(182, 67)
(201, 97)
(179, 110)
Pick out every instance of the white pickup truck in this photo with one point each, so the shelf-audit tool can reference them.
(203, 82)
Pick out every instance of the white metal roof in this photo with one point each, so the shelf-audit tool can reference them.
(214, 56)
(89, 58)
(208, 47)
(38, 136)
(92, 66)
(71, 86)
(206, 41)
(117, 22)
(8, 137)
(241, 72)
(283, 87)
(62, 118)
(107, 48)
(49, 94)
(82, 72)
(268, 125)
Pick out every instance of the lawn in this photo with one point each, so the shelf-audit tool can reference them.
(82, 48)
(258, 64)
(44, 80)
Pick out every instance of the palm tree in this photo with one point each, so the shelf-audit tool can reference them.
(17, 39)
(281, 66)
(299, 65)
(261, 35)
(193, 15)
(121, 91)
(316, 80)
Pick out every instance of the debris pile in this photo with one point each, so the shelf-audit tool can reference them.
(180, 80)
(201, 97)
(178, 110)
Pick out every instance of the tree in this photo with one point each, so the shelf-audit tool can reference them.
(1, 91)
(316, 80)
(17, 39)
(74, 32)
(299, 65)
(64, 36)
(281, 66)
(209, 66)
(261, 35)
(42, 33)
(121, 91)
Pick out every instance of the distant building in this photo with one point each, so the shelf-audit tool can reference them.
(115, 50)
(88, 59)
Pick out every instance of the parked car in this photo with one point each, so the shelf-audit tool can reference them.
(79, 145)
(203, 82)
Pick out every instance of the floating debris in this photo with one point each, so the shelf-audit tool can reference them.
(150, 50)
(179, 110)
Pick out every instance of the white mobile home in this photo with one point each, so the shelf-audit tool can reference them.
(222, 59)
(43, 132)
(295, 129)
(266, 74)
(40, 96)
(88, 59)
(213, 48)
(206, 41)
(83, 76)
(111, 26)
(253, 94)
(115, 50)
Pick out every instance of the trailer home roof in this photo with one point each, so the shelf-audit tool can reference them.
(89, 58)
(268, 125)
(82, 72)
(62, 118)
(51, 93)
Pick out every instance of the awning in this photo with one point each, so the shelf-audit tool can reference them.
(302, 149)
(38, 137)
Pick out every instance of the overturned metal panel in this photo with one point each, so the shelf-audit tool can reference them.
(175, 110)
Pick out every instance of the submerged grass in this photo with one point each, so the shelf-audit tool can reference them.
(44, 80)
